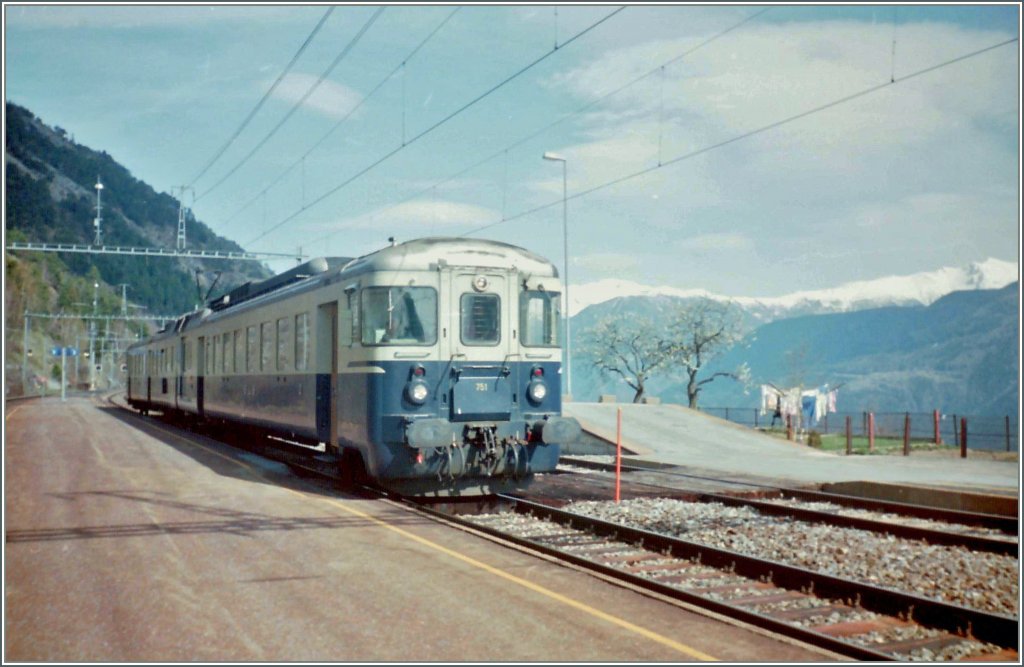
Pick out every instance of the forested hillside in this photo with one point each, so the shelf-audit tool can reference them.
(50, 197)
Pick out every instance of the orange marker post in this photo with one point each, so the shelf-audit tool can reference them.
(618, 454)
(871, 431)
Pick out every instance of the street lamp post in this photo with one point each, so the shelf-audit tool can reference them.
(554, 157)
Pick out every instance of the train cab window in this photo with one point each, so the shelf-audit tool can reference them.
(480, 315)
(266, 345)
(399, 316)
(539, 317)
(284, 341)
(252, 349)
(301, 341)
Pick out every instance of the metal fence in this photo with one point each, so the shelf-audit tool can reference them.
(984, 432)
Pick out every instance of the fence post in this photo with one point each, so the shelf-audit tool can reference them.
(727, 414)
(1007, 432)
(963, 437)
(849, 435)
(789, 427)
(906, 434)
(755, 417)
(870, 431)
(938, 436)
(864, 424)
(956, 431)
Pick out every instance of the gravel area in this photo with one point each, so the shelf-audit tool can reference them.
(890, 517)
(984, 581)
(572, 540)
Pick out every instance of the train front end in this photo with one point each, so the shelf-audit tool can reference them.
(468, 396)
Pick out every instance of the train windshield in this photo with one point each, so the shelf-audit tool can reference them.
(399, 316)
(539, 315)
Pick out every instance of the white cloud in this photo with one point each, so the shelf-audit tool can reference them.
(420, 217)
(608, 264)
(332, 99)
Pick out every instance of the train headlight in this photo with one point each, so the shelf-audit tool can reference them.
(537, 391)
(417, 392)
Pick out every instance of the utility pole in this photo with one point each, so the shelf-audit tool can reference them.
(24, 357)
(98, 222)
(124, 298)
(92, 339)
(182, 213)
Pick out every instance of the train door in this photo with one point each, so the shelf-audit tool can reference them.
(200, 372)
(327, 374)
(480, 342)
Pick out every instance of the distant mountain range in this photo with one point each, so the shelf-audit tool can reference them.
(956, 352)
(915, 289)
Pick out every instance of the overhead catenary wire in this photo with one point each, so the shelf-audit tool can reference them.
(747, 135)
(227, 144)
(323, 77)
(342, 120)
(441, 122)
(536, 133)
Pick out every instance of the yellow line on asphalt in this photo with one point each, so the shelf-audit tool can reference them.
(9, 414)
(576, 604)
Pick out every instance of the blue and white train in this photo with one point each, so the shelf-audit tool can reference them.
(432, 367)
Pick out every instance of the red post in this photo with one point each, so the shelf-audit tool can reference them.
(849, 435)
(618, 454)
(963, 437)
(938, 436)
(906, 434)
(871, 431)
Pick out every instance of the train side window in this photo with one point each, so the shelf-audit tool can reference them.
(284, 341)
(225, 353)
(239, 356)
(266, 345)
(213, 355)
(252, 349)
(539, 317)
(480, 315)
(301, 341)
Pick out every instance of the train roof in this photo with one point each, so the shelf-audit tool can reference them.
(426, 254)
(430, 253)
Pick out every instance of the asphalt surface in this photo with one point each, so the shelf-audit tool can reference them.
(677, 435)
(128, 541)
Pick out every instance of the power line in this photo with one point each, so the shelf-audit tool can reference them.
(536, 133)
(746, 135)
(439, 123)
(346, 117)
(312, 89)
(265, 97)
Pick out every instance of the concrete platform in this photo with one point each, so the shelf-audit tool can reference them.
(679, 436)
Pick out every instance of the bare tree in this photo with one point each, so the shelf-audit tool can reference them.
(702, 331)
(637, 348)
(630, 348)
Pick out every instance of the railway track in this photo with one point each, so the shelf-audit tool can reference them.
(850, 618)
(976, 531)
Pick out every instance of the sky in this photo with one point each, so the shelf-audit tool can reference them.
(745, 150)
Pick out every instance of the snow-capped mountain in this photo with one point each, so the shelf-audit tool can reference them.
(919, 288)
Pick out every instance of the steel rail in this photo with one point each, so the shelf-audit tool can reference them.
(998, 629)
(1009, 525)
(930, 535)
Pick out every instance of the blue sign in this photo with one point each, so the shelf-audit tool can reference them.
(67, 351)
